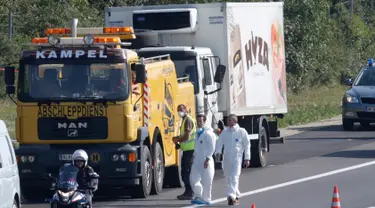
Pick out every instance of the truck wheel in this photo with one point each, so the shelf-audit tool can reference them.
(259, 149)
(144, 188)
(15, 204)
(347, 124)
(158, 170)
(173, 177)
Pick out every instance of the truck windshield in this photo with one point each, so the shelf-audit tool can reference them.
(366, 78)
(62, 81)
(185, 63)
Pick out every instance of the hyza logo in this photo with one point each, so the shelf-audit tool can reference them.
(256, 51)
(72, 127)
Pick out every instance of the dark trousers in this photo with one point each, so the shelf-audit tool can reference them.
(186, 162)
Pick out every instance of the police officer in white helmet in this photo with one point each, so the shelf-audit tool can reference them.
(87, 178)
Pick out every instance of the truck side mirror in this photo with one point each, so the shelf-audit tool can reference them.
(132, 66)
(9, 80)
(220, 72)
(140, 73)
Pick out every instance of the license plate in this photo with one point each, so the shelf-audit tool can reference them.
(65, 157)
(370, 109)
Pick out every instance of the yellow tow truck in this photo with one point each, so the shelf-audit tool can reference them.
(76, 93)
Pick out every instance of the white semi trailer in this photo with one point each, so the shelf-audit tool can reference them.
(247, 38)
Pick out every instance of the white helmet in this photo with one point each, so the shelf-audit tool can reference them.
(80, 155)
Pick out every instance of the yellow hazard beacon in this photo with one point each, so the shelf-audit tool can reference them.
(77, 93)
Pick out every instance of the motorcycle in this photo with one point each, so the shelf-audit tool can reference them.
(67, 194)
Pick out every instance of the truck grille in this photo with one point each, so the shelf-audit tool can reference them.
(73, 129)
(368, 100)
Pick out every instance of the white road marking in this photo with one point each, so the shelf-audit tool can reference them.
(289, 183)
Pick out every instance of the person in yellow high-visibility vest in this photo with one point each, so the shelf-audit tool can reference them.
(187, 143)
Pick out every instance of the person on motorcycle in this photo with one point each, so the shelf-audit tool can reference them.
(87, 178)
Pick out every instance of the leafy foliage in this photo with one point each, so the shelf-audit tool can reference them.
(324, 42)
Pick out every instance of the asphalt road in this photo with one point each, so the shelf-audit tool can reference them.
(287, 181)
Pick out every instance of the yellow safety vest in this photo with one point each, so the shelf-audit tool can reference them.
(188, 144)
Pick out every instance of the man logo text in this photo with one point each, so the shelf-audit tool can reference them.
(79, 125)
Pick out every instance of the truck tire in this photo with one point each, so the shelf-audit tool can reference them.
(347, 124)
(145, 39)
(158, 170)
(144, 188)
(259, 149)
(173, 177)
(15, 204)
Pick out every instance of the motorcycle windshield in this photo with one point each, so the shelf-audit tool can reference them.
(68, 178)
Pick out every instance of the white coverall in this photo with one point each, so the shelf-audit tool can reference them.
(235, 141)
(201, 178)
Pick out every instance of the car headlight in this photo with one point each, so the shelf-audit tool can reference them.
(31, 159)
(66, 194)
(26, 158)
(123, 157)
(23, 159)
(350, 99)
(115, 157)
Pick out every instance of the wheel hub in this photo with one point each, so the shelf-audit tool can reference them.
(159, 169)
(147, 172)
(263, 146)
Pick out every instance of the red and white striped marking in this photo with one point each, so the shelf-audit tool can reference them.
(146, 100)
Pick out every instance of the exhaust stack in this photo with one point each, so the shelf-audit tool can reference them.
(74, 28)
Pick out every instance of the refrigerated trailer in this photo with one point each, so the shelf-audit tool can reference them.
(247, 38)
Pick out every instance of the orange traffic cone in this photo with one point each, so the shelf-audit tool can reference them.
(253, 206)
(335, 198)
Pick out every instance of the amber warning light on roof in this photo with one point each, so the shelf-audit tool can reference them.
(125, 33)
(58, 31)
(118, 30)
(96, 40)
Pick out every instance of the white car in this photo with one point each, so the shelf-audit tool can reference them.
(10, 190)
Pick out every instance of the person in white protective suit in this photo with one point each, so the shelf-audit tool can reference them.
(235, 141)
(203, 168)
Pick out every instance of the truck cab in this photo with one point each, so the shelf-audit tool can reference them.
(77, 93)
(200, 65)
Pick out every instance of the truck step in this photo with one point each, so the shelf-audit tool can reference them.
(277, 140)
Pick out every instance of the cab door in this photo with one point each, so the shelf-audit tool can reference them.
(136, 99)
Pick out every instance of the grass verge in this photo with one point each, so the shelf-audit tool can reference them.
(309, 106)
(8, 114)
(313, 105)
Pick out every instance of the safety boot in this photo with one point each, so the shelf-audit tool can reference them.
(232, 201)
(187, 195)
